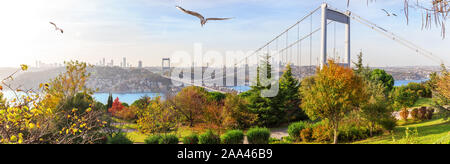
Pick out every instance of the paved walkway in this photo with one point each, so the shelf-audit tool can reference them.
(278, 133)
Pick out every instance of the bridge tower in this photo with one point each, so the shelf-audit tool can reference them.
(165, 69)
(247, 72)
(235, 73)
(329, 14)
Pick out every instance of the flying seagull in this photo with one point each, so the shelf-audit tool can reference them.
(389, 14)
(57, 28)
(202, 19)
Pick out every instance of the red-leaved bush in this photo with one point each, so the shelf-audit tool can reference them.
(116, 107)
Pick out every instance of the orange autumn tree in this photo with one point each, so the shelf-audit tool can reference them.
(334, 91)
(441, 92)
(443, 84)
(190, 103)
(116, 107)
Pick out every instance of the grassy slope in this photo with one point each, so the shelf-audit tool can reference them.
(429, 132)
(423, 102)
(138, 137)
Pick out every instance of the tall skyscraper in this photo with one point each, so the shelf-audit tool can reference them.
(140, 64)
(124, 62)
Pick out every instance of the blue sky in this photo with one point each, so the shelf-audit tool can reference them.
(149, 30)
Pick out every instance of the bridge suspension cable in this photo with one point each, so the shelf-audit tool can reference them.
(397, 38)
(278, 36)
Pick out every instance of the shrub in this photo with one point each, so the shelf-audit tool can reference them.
(294, 129)
(116, 106)
(258, 135)
(388, 123)
(306, 135)
(404, 114)
(321, 133)
(414, 114)
(353, 133)
(420, 89)
(153, 139)
(209, 137)
(278, 141)
(119, 138)
(423, 113)
(169, 139)
(128, 113)
(271, 139)
(287, 138)
(191, 139)
(233, 137)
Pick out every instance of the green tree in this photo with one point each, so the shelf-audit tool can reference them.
(236, 113)
(404, 97)
(110, 101)
(420, 89)
(268, 108)
(379, 75)
(360, 69)
(289, 96)
(335, 92)
(377, 108)
(142, 102)
(216, 96)
(81, 101)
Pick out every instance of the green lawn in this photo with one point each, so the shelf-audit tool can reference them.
(429, 132)
(138, 137)
(126, 126)
(423, 102)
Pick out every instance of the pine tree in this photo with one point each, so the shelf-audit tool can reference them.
(360, 69)
(289, 97)
(268, 109)
(110, 101)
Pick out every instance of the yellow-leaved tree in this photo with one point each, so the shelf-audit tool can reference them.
(331, 94)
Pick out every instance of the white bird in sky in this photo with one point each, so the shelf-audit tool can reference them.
(57, 28)
(202, 19)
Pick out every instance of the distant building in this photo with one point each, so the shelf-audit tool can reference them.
(140, 64)
(124, 63)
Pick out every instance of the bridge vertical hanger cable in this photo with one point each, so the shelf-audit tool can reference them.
(334, 48)
(298, 47)
(310, 44)
(280, 35)
(278, 51)
(290, 56)
(286, 52)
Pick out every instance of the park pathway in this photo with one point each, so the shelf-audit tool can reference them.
(279, 133)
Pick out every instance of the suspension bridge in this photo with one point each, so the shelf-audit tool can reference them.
(293, 46)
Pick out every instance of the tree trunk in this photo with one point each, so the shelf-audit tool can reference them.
(191, 123)
(335, 135)
(371, 128)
